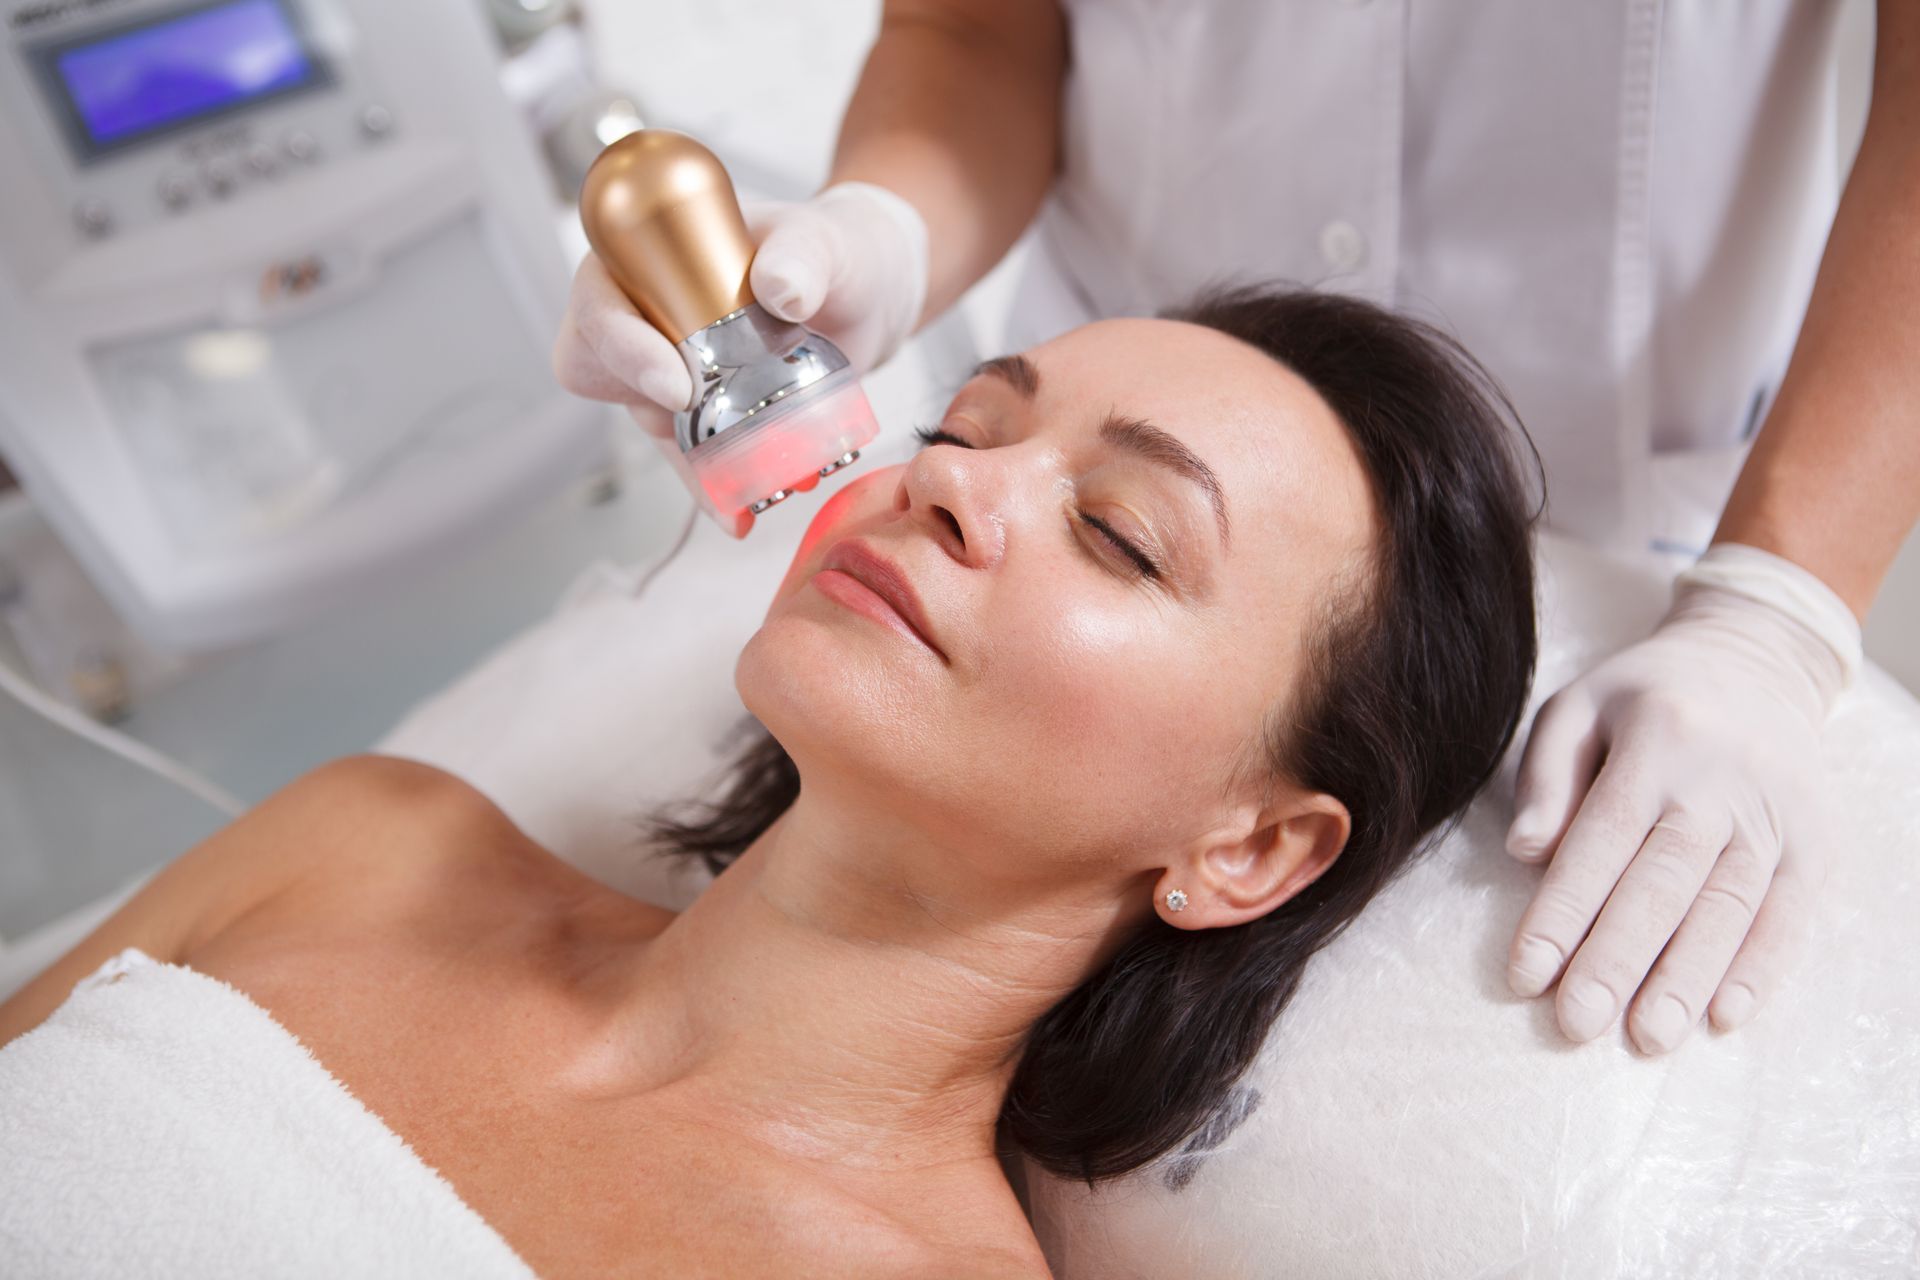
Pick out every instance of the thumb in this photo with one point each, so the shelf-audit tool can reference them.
(1562, 758)
(794, 266)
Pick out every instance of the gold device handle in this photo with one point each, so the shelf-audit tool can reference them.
(661, 214)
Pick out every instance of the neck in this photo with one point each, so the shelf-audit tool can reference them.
(850, 1003)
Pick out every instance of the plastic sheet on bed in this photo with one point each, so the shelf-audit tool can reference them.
(1409, 1117)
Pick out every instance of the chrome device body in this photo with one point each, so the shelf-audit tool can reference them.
(745, 364)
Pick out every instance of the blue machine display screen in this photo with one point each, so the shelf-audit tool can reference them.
(204, 61)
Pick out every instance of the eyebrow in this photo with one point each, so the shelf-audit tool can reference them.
(1016, 370)
(1155, 445)
(1134, 434)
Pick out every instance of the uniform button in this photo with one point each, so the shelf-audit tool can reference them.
(376, 121)
(301, 147)
(1342, 245)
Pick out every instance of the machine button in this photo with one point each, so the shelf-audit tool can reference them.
(217, 176)
(262, 160)
(176, 191)
(1342, 245)
(376, 121)
(93, 218)
(301, 148)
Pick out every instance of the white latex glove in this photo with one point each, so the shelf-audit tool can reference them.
(1679, 791)
(850, 264)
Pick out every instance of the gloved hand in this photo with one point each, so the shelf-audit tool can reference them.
(1679, 792)
(850, 264)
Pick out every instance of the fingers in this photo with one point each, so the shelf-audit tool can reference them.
(1612, 823)
(656, 421)
(1559, 764)
(1771, 948)
(580, 370)
(1676, 992)
(607, 351)
(1641, 915)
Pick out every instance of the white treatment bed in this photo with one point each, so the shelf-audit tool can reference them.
(1408, 1117)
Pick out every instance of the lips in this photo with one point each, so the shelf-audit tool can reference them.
(885, 579)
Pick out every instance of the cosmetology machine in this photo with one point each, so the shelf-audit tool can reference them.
(278, 283)
(776, 406)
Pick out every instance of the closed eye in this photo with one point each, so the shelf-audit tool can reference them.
(1141, 560)
(939, 435)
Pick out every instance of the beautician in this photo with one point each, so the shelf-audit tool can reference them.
(1629, 211)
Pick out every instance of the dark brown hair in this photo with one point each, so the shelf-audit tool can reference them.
(1416, 680)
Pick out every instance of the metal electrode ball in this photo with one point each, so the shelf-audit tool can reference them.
(775, 406)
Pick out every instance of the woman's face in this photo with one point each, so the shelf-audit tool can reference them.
(1077, 702)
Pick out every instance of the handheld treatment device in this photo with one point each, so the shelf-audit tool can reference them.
(776, 407)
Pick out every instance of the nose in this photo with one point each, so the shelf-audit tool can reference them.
(953, 494)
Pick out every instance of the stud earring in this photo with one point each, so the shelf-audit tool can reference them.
(1176, 900)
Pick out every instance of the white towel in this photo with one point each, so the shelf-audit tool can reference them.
(160, 1123)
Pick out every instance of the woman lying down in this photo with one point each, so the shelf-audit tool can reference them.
(1087, 727)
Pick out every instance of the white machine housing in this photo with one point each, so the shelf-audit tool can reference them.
(278, 282)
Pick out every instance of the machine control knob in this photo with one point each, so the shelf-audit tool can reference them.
(217, 176)
(93, 218)
(301, 147)
(176, 191)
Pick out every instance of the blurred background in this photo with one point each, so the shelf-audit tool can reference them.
(246, 610)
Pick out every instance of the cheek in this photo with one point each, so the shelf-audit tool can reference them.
(1121, 714)
(838, 697)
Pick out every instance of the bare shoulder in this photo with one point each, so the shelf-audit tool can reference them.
(357, 818)
(390, 789)
(361, 819)
(428, 851)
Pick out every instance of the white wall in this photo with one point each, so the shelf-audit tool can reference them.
(765, 85)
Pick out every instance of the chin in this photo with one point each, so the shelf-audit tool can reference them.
(828, 691)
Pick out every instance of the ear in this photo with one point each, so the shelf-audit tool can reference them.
(1246, 869)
